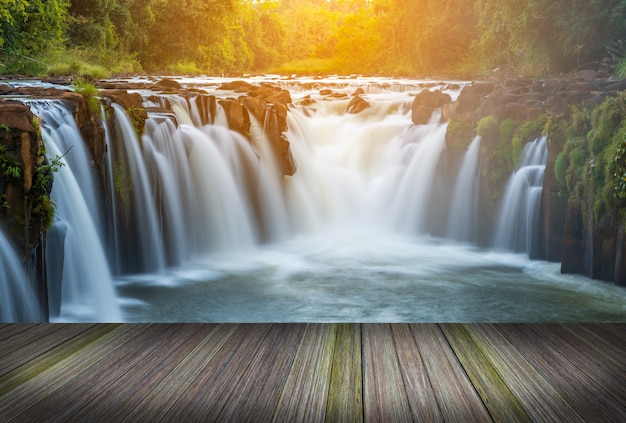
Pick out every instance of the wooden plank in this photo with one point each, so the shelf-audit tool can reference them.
(305, 394)
(30, 360)
(608, 341)
(37, 340)
(593, 389)
(384, 393)
(8, 330)
(456, 396)
(345, 394)
(158, 402)
(420, 394)
(259, 389)
(497, 397)
(541, 401)
(78, 391)
(36, 380)
(213, 386)
(163, 354)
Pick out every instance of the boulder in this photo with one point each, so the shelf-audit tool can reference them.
(236, 86)
(357, 105)
(167, 84)
(425, 103)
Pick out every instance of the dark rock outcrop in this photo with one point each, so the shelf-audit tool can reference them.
(425, 103)
(21, 196)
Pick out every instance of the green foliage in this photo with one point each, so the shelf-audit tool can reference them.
(123, 186)
(8, 167)
(43, 207)
(90, 92)
(546, 36)
(45, 210)
(487, 125)
(620, 70)
(27, 29)
(560, 169)
(459, 135)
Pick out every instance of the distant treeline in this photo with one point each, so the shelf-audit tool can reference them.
(405, 37)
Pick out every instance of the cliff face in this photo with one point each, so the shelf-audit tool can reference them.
(22, 198)
(580, 223)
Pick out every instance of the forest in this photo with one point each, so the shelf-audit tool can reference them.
(368, 37)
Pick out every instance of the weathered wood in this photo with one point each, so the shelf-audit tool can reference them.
(45, 351)
(424, 407)
(259, 388)
(139, 380)
(156, 403)
(541, 401)
(345, 394)
(384, 393)
(313, 373)
(305, 394)
(34, 342)
(37, 381)
(7, 330)
(82, 392)
(499, 400)
(594, 390)
(212, 388)
(608, 341)
(457, 398)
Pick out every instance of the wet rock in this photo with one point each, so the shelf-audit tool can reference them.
(167, 84)
(236, 86)
(237, 117)
(20, 193)
(425, 103)
(357, 105)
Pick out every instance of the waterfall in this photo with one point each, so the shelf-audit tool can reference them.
(78, 272)
(274, 215)
(225, 215)
(522, 199)
(138, 223)
(18, 302)
(463, 209)
(420, 153)
(344, 164)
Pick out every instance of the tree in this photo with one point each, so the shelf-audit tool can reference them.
(28, 28)
(202, 31)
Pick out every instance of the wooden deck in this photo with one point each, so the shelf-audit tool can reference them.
(315, 372)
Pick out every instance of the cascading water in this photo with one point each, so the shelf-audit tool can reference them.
(138, 223)
(79, 279)
(346, 165)
(17, 299)
(420, 156)
(463, 210)
(522, 199)
(337, 240)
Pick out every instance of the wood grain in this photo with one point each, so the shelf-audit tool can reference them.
(313, 372)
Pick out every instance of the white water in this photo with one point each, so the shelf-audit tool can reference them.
(83, 277)
(521, 201)
(463, 209)
(127, 156)
(17, 299)
(221, 237)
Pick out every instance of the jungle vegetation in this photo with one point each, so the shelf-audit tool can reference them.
(390, 37)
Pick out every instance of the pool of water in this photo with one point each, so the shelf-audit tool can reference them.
(339, 276)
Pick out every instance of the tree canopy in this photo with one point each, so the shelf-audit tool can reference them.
(338, 36)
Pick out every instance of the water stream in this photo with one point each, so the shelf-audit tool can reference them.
(199, 226)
